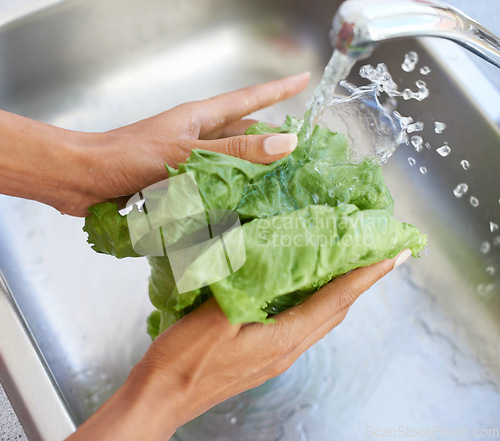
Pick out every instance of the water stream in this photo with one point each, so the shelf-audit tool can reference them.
(337, 69)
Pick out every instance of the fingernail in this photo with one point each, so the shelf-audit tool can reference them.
(280, 143)
(402, 257)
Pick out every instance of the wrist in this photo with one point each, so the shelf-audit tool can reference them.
(139, 410)
(42, 162)
(159, 398)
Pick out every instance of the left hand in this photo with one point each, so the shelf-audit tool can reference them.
(73, 170)
(135, 156)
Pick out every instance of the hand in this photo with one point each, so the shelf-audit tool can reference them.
(203, 360)
(137, 154)
(73, 170)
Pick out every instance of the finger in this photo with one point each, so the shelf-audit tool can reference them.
(314, 337)
(299, 327)
(234, 129)
(261, 149)
(209, 318)
(222, 110)
(205, 326)
(322, 309)
(296, 351)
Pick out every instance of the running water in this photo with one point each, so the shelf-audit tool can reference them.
(373, 129)
(337, 69)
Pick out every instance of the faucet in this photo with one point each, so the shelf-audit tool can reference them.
(360, 24)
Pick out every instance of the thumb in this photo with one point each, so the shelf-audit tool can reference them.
(261, 149)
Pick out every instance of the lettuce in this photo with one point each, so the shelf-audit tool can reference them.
(307, 218)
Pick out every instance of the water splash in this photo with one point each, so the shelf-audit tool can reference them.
(410, 61)
(417, 142)
(337, 69)
(425, 70)
(460, 190)
(380, 77)
(444, 150)
(414, 127)
(373, 129)
(465, 164)
(420, 95)
(367, 115)
(485, 247)
(439, 127)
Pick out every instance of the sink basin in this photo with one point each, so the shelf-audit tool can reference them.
(420, 350)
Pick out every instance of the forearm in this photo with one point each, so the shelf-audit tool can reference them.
(140, 410)
(40, 162)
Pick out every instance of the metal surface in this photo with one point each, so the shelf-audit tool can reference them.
(421, 349)
(381, 20)
(45, 414)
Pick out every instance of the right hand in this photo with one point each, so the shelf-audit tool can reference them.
(202, 360)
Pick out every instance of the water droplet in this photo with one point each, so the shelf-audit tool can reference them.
(410, 61)
(423, 170)
(427, 145)
(405, 121)
(423, 90)
(485, 247)
(415, 127)
(407, 94)
(460, 190)
(417, 142)
(380, 78)
(412, 161)
(439, 127)
(444, 150)
(465, 164)
(365, 71)
(233, 420)
(474, 201)
(425, 70)
(422, 94)
(490, 271)
(493, 227)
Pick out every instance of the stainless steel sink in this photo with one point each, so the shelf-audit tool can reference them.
(421, 350)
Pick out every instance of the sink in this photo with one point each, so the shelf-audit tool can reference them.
(419, 351)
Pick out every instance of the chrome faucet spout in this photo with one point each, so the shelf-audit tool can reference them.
(360, 24)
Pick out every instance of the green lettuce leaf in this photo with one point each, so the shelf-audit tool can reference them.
(314, 192)
(108, 231)
(294, 252)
